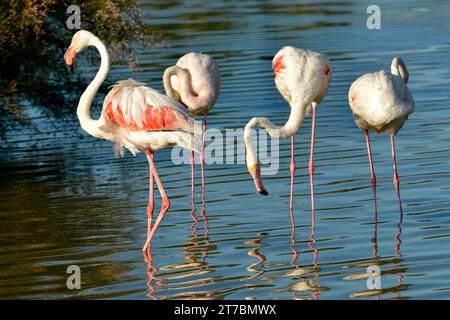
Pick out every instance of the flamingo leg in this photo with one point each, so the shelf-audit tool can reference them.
(202, 157)
(192, 179)
(311, 157)
(151, 203)
(165, 205)
(292, 167)
(396, 180)
(372, 171)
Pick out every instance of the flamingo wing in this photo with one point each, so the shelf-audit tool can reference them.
(135, 107)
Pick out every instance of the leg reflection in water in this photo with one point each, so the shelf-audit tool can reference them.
(151, 271)
(300, 273)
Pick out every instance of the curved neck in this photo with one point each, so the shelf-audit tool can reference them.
(84, 105)
(187, 94)
(398, 68)
(295, 121)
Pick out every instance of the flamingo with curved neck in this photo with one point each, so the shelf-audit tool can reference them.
(302, 77)
(135, 117)
(195, 82)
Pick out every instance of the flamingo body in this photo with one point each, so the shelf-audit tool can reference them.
(301, 74)
(380, 101)
(139, 118)
(204, 81)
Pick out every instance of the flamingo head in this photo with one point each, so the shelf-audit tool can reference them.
(398, 67)
(80, 41)
(255, 171)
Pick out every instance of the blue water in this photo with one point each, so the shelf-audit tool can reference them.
(66, 200)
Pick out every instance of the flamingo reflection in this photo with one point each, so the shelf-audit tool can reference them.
(255, 252)
(397, 270)
(170, 275)
(305, 285)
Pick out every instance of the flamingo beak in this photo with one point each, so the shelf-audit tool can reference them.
(69, 58)
(255, 172)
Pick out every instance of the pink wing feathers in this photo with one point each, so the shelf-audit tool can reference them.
(135, 107)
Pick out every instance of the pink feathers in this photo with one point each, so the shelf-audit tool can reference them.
(278, 65)
(328, 71)
(135, 107)
(154, 118)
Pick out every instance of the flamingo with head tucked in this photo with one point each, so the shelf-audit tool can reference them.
(381, 101)
(135, 117)
(302, 77)
(195, 82)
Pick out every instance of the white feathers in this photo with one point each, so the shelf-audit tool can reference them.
(301, 74)
(204, 81)
(380, 101)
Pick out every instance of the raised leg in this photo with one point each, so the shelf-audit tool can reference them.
(311, 156)
(151, 203)
(164, 207)
(396, 180)
(202, 157)
(372, 171)
(292, 167)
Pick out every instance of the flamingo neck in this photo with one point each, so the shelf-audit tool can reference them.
(295, 121)
(187, 94)
(91, 126)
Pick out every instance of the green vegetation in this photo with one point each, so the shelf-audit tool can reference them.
(34, 36)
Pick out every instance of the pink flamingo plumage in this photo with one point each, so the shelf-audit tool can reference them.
(135, 117)
(195, 82)
(302, 77)
(381, 101)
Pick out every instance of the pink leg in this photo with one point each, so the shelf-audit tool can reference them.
(372, 171)
(396, 181)
(151, 203)
(202, 157)
(165, 205)
(192, 179)
(295, 254)
(292, 167)
(311, 157)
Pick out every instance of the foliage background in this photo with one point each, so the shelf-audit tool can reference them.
(34, 36)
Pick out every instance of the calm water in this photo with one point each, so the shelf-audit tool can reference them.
(66, 200)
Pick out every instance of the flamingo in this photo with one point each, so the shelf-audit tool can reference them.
(195, 82)
(302, 77)
(381, 101)
(135, 117)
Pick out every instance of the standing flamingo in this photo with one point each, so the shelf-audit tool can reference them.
(195, 82)
(133, 116)
(302, 77)
(381, 101)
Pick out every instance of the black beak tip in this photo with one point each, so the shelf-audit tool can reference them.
(70, 68)
(264, 193)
